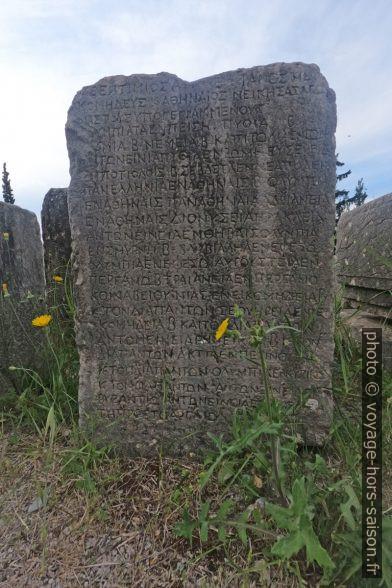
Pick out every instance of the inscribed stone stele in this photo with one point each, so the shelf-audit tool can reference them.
(364, 256)
(22, 293)
(56, 235)
(185, 199)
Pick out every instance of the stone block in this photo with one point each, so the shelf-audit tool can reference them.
(187, 198)
(22, 292)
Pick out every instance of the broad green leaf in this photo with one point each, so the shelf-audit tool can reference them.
(314, 550)
(289, 545)
(224, 509)
(186, 527)
(217, 441)
(238, 312)
(205, 506)
(86, 483)
(204, 531)
(297, 519)
(296, 540)
(222, 534)
(345, 507)
(257, 516)
(320, 464)
(241, 527)
(282, 516)
(204, 477)
(226, 472)
(242, 534)
(299, 496)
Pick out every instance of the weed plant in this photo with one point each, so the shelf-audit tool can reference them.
(46, 402)
(262, 494)
(50, 394)
(290, 506)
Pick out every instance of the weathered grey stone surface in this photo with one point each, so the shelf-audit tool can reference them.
(358, 320)
(375, 302)
(186, 198)
(22, 291)
(56, 233)
(364, 256)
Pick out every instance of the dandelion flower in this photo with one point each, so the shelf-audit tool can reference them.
(6, 236)
(42, 321)
(221, 330)
(58, 279)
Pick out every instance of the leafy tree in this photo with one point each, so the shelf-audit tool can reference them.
(343, 202)
(7, 190)
(341, 195)
(360, 193)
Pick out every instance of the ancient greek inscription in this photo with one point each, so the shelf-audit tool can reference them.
(185, 199)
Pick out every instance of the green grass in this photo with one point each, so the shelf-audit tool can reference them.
(314, 529)
(261, 503)
(46, 403)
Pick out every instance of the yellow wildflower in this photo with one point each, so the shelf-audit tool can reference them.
(221, 330)
(6, 236)
(41, 321)
(5, 289)
(58, 279)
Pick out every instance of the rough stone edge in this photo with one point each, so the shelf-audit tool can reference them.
(319, 437)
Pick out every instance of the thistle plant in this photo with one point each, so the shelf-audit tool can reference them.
(256, 335)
